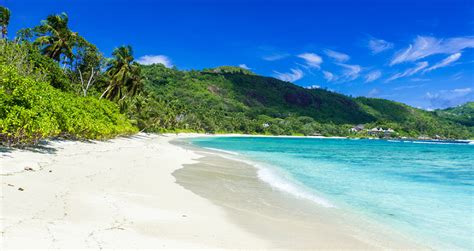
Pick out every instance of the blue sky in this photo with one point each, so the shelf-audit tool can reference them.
(417, 52)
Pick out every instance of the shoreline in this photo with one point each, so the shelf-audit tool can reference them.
(190, 135)
(109, 194)
(129, 193)
(278, 209)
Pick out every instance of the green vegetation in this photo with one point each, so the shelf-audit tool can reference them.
(54, 83)
(31, 110)
(124, 75)
(45, 76)
(412, 122)
(55, 39)
(4, 20)
(227, 99)
(463, 114)
(229, 69)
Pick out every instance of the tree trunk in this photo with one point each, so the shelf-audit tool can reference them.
(106, 90)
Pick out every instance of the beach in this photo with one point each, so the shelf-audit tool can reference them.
(151, 191)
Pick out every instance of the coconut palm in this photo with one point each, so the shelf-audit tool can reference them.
(4, 20)
(24, 34)
(55, 38)
(124, 75)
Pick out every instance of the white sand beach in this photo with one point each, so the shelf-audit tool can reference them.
(114, 194)
(122, 194)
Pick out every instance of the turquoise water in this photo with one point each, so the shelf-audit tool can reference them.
(423, 189)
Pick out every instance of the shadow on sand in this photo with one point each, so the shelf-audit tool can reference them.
(44, 147)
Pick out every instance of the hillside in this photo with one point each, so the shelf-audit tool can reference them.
(463, 114)
(228, 99)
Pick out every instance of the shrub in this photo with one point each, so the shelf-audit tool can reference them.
(31, 110)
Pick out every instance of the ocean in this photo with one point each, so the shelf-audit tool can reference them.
(422, 189)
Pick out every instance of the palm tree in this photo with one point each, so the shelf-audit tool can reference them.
(124, 75)
(55, 38)
(24, 34)
(4, 20)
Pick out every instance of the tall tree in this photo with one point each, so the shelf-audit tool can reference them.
(88, 65)
(4, 20)
(123, 73)
(55, 38)
(24, 34)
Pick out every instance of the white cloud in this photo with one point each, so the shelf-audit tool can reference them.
(292, 76)
(409, 72)
(244, 66)
(373, 92)
(463, 91)
(312, 60)
(337, 56)
(448, 98)
(379, 45)
(275, 56)
(350, 72)
(445, 62)
(404, 87)
(457, 76)
(426, 46)
(420, 79)
(329, 76)
(155, 59)
(313, 87)
(372, 76)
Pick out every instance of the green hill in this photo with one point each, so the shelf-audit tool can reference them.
(230, 99)
(463, 114)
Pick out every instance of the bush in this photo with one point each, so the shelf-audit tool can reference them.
(31, 110)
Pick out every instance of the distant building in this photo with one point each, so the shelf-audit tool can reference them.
(357, 128)
(380, 131)
(388, 132)
(375, 131)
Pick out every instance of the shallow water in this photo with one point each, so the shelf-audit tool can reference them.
(424, 190)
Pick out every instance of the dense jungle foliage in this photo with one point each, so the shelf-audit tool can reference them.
(31, 108)
(40, 92)
(54, 83)
(463, 114)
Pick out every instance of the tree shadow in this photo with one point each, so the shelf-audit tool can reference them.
(4, 149)
(44, 147)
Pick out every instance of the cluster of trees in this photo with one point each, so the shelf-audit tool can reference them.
(119, 76)
(4, 20)
(53, 82)
(413, 122)
(31, 110)
(463, 114)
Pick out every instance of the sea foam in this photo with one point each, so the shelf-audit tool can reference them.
(270, 176)
(280, 183)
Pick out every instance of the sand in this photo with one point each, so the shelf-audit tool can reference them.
(130, 193)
